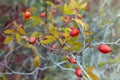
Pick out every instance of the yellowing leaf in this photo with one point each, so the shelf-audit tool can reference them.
(86, 27)
(87, 33)
(18, 37)
(83, 5)
(33, 9)
(49, 3)
(19, 28)
(79, 1)
(65, 9)
(79, 21)
(51, 28)
(66, 48)
(36, 61)
(2, 77)
(48, 41)
(48, 37)
(68, 9)
(89, 69)
(8, 39)
(36, 20)
(75, 3)
(93, 76)
(9, 31)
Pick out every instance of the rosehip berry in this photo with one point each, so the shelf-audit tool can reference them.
(32, 40)
(42, 15)
(72, 60)
(54, 11)
(67, 17)
(27, 14)
(53, 46)
(79, 16)
(58, 1)
(73, 8)
(105, 49)
(78, 72)
(74, 32)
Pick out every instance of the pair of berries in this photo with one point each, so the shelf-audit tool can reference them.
(27, 14)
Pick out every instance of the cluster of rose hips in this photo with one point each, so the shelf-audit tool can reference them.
(103, 48)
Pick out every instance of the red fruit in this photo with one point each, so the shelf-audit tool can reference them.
(32, 40)
(67, 17)
(73, 8)
(72, 60)
(54, 11)
(79, 16)
(42, 15)
(53, 46)
(27, 14)
(58, 1)
(105, 49)
(74, 32)
(78, 72)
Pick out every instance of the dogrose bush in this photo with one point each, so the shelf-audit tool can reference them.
(60, 40)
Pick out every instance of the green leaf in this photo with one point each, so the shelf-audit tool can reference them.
(101, 64)
(18, 37)
(8, 39)
(35, 34)
(9, 31)
(66, 48)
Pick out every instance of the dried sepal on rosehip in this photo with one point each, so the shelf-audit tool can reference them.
(105, 49)
(32, 40)
(78, 72)
(36, 61)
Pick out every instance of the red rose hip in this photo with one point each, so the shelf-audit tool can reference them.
(42, 15)
(27, 14)
(74, 32)
(72, 60)
(105, 49)
(58, 1)
(32, 40)
(78, 72)
(54, 11)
